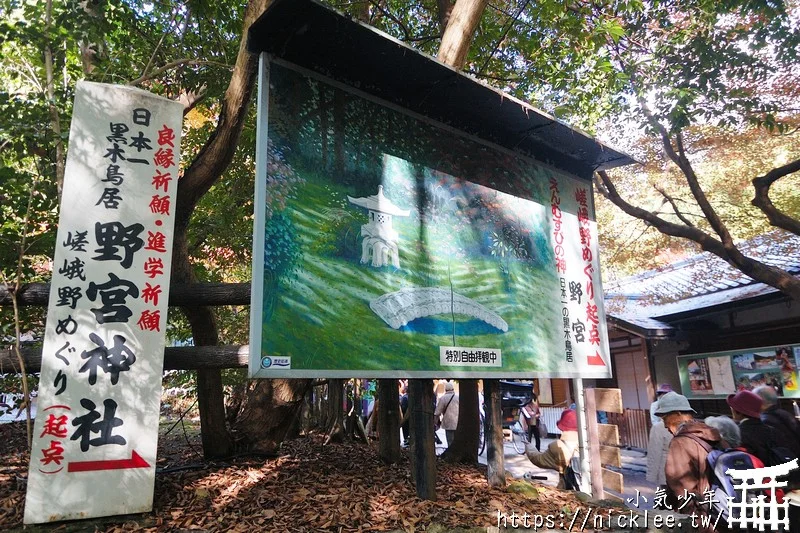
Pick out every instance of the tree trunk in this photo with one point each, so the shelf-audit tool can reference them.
(217, 441)
(463, 21)
(388, 421)
(423, 455)
(464, 448)
(55, 119)
(496, 471)
(199, 176)
(445, 8)
(307, 412)
(335, 419)
(235, 399)
(725, 249)
(268, 412)
(319, 406)
(323, 126)
(339, 129)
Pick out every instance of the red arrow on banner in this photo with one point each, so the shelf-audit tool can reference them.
(135, 461)
(595, 360)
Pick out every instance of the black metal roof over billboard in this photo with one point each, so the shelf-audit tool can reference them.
(312, 36)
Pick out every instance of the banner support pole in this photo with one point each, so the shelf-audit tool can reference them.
(583, 436)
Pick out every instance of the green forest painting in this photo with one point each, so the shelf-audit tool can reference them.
(387, 237)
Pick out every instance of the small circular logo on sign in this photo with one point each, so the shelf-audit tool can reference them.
(266, 362)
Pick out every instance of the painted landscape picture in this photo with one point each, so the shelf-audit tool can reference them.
(387, 239)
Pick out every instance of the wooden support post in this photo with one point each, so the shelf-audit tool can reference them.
(495, 456)
(388, 421)
(423, 454)
(596, 474)
(583, 435)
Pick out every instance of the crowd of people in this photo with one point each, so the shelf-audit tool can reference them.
(679, 445)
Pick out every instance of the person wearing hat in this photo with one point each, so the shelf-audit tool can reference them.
(446, 413)
(660, 391)
(686, 468)
(757, 437)
(558, 454)
(784, 425)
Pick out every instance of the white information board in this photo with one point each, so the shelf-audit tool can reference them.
(94, 442)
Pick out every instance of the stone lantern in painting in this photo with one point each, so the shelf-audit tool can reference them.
(380, 239)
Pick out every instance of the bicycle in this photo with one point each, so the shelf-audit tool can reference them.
(519, 438)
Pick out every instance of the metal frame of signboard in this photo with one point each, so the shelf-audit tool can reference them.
(256, 318)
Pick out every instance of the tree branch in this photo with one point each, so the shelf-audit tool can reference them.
(772, 276)
(190, 99)
(171, 65)
(674, 205)
(762, 200)
(458, 34)
(55, 119)
(503, 36)
(158, 46)
(390, 16)
(679, 158)
(217, 153)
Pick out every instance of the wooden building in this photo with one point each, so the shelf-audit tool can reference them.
(664, 323)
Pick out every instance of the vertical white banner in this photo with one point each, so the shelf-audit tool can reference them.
(96, 431)
(575, 248)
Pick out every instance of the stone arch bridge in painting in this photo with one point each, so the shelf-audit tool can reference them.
(401, 307)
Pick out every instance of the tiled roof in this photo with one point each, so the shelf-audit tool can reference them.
(698, 282)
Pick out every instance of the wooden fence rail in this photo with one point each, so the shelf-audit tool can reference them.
(634, 427)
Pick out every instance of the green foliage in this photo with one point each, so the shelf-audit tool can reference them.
(339, 235)
(281, 250)
(111, 42)
(583, 61)
(17, 189)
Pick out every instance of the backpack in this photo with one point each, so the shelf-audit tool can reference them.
(722, 484)
(572, 474)
(779, 455)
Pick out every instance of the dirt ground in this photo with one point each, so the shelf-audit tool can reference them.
(308, 487)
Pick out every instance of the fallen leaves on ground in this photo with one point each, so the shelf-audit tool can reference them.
(309, 487)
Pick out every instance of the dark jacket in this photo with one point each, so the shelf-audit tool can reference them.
(687, 469)
(757, 438)
(784, 428)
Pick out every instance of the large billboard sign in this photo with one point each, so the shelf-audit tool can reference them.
(94, 442)
(387, 245)
(716, 375)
